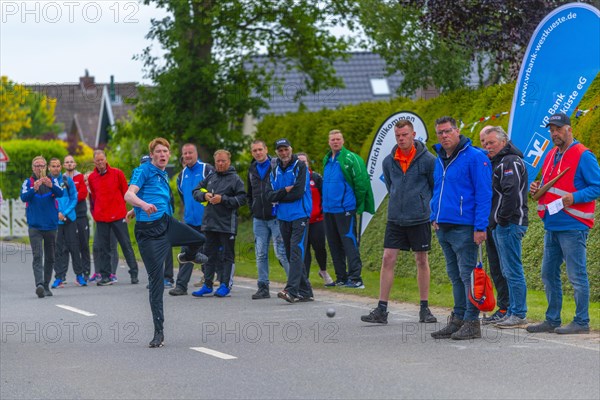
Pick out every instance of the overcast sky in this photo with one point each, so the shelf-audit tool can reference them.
(55, 41)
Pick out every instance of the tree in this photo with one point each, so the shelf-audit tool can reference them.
(25, 114)
(395, 31)
(210, 76)
(14, 116)
(441, 42)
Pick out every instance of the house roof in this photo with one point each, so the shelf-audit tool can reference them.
(78, 105)
(356, 73)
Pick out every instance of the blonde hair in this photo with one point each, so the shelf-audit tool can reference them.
(38, 158)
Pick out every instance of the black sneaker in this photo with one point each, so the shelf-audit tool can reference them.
(494, 318)
(305, 299)
(454, 324)
(134, 280)
(104, 282)
(426, 316)
(469, 330)
(336, 283)
(39, 290)
(544, 327)
(572, 328)
(262, 292)
(158, 340)
(287, 297)
(47, 292)
(377, 316)
(177, 292)
(198, 258)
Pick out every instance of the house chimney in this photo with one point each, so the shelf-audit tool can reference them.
(87, 81)
(111, 89)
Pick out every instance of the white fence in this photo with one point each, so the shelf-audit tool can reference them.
(13, 221)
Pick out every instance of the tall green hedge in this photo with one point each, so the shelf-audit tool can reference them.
(308, 132)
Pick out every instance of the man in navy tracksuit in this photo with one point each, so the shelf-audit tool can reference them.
(156, 231)
(193, 173)
(460, 208)
(39, 192)
(66, 241)
(291, 189)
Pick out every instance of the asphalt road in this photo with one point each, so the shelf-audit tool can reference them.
(239, 348)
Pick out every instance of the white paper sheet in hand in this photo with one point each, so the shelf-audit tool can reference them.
(555, 206)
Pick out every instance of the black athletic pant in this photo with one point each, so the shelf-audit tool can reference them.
(155, 240)
(343, 244)
(67, 243)
(114, 254)
(496, 272)
(43, 245)
(185, 270)
(295, 239)
(316, 240)
(83, 237)
(220, 249)
(119, 228)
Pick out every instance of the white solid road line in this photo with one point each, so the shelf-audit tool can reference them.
(76, 310)
(213, 353)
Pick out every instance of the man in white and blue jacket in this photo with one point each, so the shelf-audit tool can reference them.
(66, 240)
(460, 208)
(39, 193)
(290, 181)
(192, 174)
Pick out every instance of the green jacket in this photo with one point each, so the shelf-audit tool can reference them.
(355, 173)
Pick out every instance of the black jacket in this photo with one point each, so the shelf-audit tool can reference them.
(510, 188)
(221, 217)
(260, 206)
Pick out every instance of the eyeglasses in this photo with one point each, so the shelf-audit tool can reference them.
(445, 131)
(39, 166)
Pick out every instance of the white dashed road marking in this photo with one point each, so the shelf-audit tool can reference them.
(213, 353)
(76, 310)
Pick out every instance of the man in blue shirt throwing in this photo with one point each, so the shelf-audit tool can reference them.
(156, 231)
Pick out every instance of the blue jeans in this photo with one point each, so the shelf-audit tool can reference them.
(460, 252)
(569, 246)
(263, 231)
(508, 243)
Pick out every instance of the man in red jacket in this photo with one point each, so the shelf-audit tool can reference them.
(107, 189)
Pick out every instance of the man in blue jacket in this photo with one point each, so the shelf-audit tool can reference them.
(291, 190)
(192, 174)
(460, 208)
(66, 241)
(39, 192)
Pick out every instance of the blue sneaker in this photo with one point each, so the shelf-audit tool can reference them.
(58, 283)
(222, 291)
(80, 280)
(355, 284)
(202, 291)
(168, 283)
(95, 277)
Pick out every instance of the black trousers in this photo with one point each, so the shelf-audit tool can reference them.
(220, 249)
(496, 272)
(295, 239)
(119, 228)
(185, 270)
(343, 244)
(114, 254)
(83, 237)
(155, 240)
(316, 240)
(67, 243)
(43, 245)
